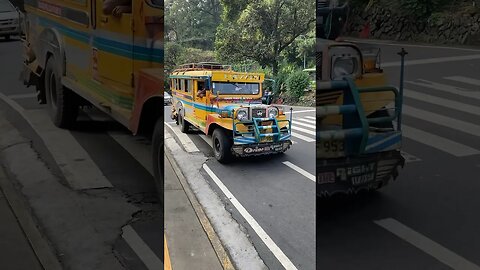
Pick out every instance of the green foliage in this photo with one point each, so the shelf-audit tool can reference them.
(192, 23)
(176, 55)
(296, 84)
(262, 30)
(422, 9)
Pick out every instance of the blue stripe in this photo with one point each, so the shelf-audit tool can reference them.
(386, 144)
(108, 45)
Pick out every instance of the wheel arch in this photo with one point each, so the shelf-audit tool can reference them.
(151, 110)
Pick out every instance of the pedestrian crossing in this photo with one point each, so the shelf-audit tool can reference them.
(451, 113)
(304, 128)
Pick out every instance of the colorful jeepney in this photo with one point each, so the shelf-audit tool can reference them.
(77, 53)
(228, 106)
(359, 131)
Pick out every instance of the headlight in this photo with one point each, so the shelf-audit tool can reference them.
(345, 61)
(242, 114)
(344, 67)
(272, 112)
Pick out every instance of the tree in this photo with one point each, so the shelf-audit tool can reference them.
(192, 23)
(261, 30)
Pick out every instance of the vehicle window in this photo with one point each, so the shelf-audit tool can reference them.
(5, 6)
(182, 85)
(158, 3)
(235, 88)
(189, 86)
(117, 7)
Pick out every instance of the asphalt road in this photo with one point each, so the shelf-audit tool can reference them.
(277, 192)
(114, 159)
(428, 218)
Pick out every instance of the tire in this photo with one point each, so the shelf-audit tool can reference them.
(222, 146)
(62, 103)
(158, 158)
(184, 124)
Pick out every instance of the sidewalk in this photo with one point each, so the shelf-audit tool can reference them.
(188, 244)
(15, 250)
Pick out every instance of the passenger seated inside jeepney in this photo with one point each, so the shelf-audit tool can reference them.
(201, 90)
(117, 7)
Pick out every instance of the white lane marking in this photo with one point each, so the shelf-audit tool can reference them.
(311, 117)
(138, 150)
(446, 121)
(305, 120)
(463, 79)
(459, 106)
(300, 170)
(207, 139)
(306, 131)
(305, 125)
(277, 252)
(409, 158)
(391, 43)
(303, 111)
(433, 60)
(186, 142)
(440, 143)
(75, 163)
(446, 88)
(146, 255)
(427, 245)
(22, 96)
(301, 137)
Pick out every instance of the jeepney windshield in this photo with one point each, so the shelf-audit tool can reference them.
(5, 6)
(235, 88)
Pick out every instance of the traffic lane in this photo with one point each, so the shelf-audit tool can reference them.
(425, 198)
(389, 52)
(436, 71)
(436, 197)
(280, 199)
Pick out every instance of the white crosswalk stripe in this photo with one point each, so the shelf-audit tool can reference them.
(465, 125)
(466, 80)
(306, 120)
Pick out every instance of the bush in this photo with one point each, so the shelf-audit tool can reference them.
(296, 84)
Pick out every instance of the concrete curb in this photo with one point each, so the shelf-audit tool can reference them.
(217, 245)
(44, 252)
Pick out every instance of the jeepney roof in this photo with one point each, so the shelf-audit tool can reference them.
(218, 73)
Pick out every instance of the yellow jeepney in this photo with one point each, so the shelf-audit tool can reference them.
(80, 52)
(228, 105)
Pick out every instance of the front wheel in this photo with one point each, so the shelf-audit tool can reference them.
(222, 146)
(62, 103)
(184, 124)
(158, 158)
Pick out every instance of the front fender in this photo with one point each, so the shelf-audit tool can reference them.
(51, 42)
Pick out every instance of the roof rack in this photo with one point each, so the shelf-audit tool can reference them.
(203, 66)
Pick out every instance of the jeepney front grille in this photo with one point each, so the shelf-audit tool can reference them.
(6, 22)
(259, 113)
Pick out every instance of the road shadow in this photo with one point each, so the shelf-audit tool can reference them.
(342, 205)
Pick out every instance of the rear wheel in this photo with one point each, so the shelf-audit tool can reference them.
(62, 103)
(158, 158)
(222, 146)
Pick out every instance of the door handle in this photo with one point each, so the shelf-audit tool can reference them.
(104, 19)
